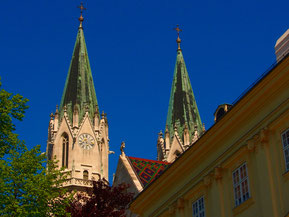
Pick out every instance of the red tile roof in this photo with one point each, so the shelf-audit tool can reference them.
(147, 170)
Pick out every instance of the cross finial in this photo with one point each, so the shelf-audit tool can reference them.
(81, 17)
(178, 30)
(81, 7)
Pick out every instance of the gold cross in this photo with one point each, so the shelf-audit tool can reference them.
(81, 7)
(178, 30)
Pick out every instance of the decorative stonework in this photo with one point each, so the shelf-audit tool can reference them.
(251, 145)
(172, 209)
(264, 136)
(207, 180)
(181, 203)
(218, 173)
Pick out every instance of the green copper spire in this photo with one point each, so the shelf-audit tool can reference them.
(183, 110)
(79, 89)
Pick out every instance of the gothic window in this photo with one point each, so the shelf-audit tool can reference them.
(65, 146)
(285, 142)
(85, 175)
(50, 151)
(199, 208)
(241, 184)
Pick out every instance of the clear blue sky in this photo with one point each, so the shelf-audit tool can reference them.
(227, 45)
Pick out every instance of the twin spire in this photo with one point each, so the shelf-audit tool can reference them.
(79, 93)
(183, 112)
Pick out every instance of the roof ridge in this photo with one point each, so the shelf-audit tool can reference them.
(156, 161)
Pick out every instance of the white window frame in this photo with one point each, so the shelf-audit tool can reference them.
(241, 184)
(285, 144)
(198, 207)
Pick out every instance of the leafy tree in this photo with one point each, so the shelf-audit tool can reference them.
(102, 201)
(10, 107)
(27, 187)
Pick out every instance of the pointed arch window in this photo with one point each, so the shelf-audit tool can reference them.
(65, 150)
(85, 175)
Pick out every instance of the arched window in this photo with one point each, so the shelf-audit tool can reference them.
(85, 175)
(65, 146)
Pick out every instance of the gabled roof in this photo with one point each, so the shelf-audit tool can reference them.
(147, 170)
(183, 108)
(79, 89)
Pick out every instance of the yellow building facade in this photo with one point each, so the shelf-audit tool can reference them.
(239, 167)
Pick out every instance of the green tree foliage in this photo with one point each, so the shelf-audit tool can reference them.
(11, 107)
(27, 187)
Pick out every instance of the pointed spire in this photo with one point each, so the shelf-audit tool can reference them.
(183, 108)
(79, 88)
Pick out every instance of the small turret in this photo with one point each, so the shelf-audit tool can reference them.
(75, 116)
(195, 135)
(96, 119)
(56, 119)
(161, 147)
(51, 122)
(51, 127)
(167, 138)
(106, 125)
(186, 137)
(122, 147)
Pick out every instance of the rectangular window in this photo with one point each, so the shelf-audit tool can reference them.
(199, 208)
(241, 184)
(285, 142)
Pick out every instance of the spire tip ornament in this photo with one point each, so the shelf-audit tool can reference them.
(178, 30)
(81, 17)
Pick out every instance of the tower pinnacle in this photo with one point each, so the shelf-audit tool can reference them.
(183, 108)
(178, 30)
(81, 17)
(79, 89)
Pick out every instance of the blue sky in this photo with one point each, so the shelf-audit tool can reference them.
(227, 45)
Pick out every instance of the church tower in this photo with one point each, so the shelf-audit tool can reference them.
(77, 134)
(183, 126)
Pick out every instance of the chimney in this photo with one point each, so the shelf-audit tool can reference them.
(221, 111)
